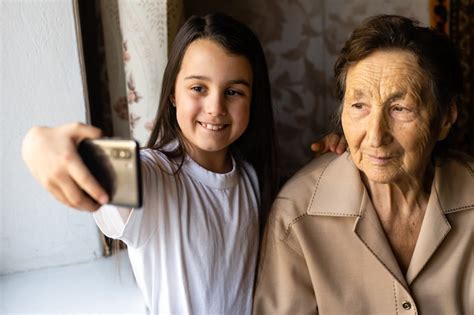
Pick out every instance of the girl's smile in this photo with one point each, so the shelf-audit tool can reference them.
(213, 127)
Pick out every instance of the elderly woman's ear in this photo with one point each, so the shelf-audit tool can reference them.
(448, 120)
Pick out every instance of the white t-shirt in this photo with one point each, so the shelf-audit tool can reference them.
(193, 245)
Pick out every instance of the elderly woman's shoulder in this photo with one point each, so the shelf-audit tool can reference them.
(458, 162)
(295, 196)
(307, 175)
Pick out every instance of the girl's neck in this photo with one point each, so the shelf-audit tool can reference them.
(217, 161)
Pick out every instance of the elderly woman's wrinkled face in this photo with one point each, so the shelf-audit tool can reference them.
(385, 121)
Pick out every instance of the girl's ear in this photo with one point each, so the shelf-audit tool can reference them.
(448, 120)
(172, 100)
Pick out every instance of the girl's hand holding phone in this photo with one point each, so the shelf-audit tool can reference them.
(51, 156)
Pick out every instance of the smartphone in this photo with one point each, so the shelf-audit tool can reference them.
(115, 163)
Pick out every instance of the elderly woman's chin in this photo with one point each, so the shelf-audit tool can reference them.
(393, 169)
(381, 170)
(388, 173)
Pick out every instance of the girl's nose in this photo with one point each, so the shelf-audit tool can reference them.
(215, 105)
(378, 129)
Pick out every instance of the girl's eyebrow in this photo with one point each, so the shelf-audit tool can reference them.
(204, 78)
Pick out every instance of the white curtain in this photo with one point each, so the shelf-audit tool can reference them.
(136, 42)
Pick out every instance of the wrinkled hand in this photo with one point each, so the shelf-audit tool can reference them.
(52, 158)
(330, 143)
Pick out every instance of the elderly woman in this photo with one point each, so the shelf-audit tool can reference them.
(387, 228)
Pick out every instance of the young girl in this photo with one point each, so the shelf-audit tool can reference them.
(208, 175)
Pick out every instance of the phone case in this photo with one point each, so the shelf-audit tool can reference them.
(115, 163)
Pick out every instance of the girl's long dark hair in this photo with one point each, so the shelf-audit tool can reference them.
(257, 144)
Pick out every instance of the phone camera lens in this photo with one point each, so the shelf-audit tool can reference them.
(124, 154)
(121, 154)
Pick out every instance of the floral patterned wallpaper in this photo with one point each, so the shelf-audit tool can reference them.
(301, 39)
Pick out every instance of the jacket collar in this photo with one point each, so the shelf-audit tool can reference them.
(339, 190)
(453, 184)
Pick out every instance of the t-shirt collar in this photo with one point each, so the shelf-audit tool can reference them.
(211, 179)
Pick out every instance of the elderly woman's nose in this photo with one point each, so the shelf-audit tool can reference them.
(378, 130)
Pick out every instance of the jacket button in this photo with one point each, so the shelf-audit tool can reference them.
(406, 305)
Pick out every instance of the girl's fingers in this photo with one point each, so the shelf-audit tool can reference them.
(326, 144)
(341, 146)
(75, 196)
(317, 147)
(80, 131)
(332, 141)
(58, 194)
(76, 168)
(86, 181)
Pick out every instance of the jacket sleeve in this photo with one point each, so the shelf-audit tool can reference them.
(283, 281)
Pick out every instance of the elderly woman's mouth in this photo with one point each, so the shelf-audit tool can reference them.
(379, 159)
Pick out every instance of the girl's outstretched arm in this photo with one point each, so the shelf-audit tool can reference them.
(52, 158)
(330, 143)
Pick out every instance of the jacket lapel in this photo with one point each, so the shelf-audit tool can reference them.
(452, 190)
(340, 192)
(433, 231)
(371, 234)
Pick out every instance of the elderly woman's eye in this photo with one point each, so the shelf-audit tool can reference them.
(402, 113)
(357, 105)
(399, 108)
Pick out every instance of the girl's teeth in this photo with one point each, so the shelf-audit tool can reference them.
(212, 127)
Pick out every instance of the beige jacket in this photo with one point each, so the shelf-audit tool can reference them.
(326, 252)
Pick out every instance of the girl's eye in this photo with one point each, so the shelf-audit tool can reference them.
(198, 89)
(233, 92)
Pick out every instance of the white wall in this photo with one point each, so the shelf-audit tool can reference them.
(40, 85)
